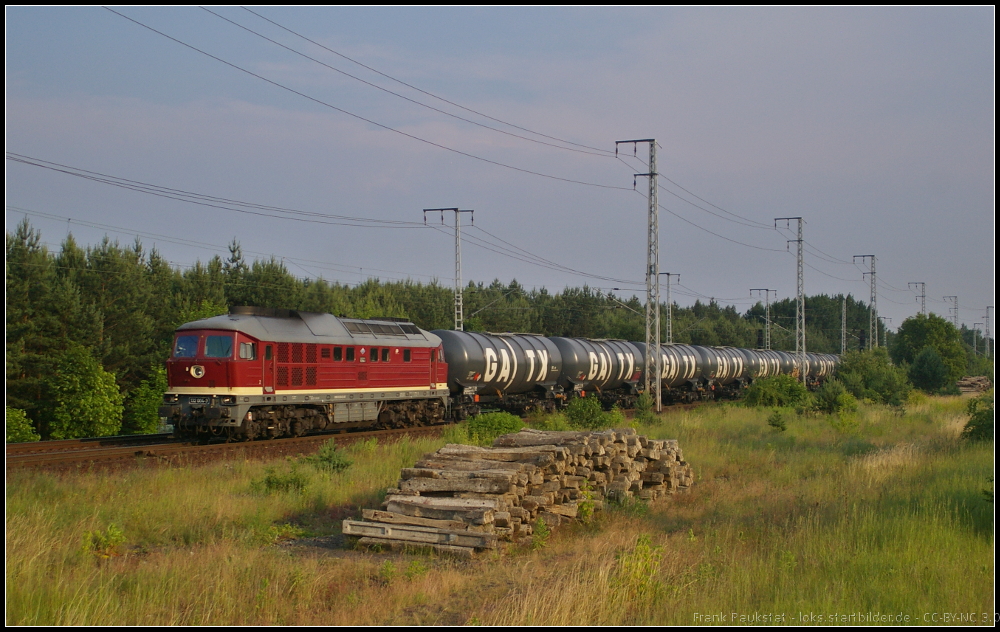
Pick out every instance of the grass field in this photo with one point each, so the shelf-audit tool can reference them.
(871, 519)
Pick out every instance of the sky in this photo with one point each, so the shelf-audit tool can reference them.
(322, 133)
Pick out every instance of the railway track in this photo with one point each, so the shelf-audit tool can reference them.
(93, 443)
(163, 449)
(119, 452)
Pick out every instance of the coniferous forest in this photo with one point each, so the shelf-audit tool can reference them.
(89, 329)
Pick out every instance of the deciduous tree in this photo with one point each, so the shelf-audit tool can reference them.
(930, 330)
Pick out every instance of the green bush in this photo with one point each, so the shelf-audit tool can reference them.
(85, 398)
(415, 569)
(387, 572)
(19, 428)
(586, 413)
(870, 375)
(540, 534)
(274, 482)
(979, 365)
(777, 421)
(928, 371)
(586, 505)
(486, 427)
(330, 459)
(832, 398)
(845, 422)
(615, 418)
(930, 330)
(104, 544)
(777, 391)
(636, 572)
(142, 405)
(548, 421)
(644, 409)
(981, 421)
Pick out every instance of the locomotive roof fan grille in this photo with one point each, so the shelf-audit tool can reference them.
(268, 312)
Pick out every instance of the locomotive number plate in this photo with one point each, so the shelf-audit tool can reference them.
(198, 400)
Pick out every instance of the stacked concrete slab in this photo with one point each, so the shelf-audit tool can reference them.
(466, 498)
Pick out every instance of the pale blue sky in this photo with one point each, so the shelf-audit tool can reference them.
(875, 125)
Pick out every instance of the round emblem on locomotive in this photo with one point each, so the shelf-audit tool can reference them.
(197, 371)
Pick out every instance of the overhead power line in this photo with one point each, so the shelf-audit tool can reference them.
(212, 201)
(532, 259)
(606, 152)
(827, 274)
(362, 118)
(820, 254)
(741, 223)
(531, 172)
(739, 219)
(547, 262)
(504, 248)
(710, 232)
(602, 154)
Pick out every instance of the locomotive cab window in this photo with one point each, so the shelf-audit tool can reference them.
(268, 353)
(406, 355)
(248, 351)
(350, 354)
(338, 354)
(385, 354)
(186, 347)
(218, 346)
(374, 354)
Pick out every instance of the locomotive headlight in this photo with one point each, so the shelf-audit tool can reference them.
(170, 398)
(228, 400)
(197, 371)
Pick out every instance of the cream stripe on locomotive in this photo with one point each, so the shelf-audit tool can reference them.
(243, 390)
(216, 390)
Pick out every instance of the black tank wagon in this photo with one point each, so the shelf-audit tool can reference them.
(522, 372)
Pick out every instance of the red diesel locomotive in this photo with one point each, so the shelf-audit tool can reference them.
(266, 373)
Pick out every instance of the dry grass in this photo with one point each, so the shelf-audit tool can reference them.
(887, 516)
(875, 467)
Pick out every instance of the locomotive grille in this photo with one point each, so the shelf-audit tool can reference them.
(296, 376)
(283, 352)
(311, 376)
(282, 376)
(310, 353)
(297, 352)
